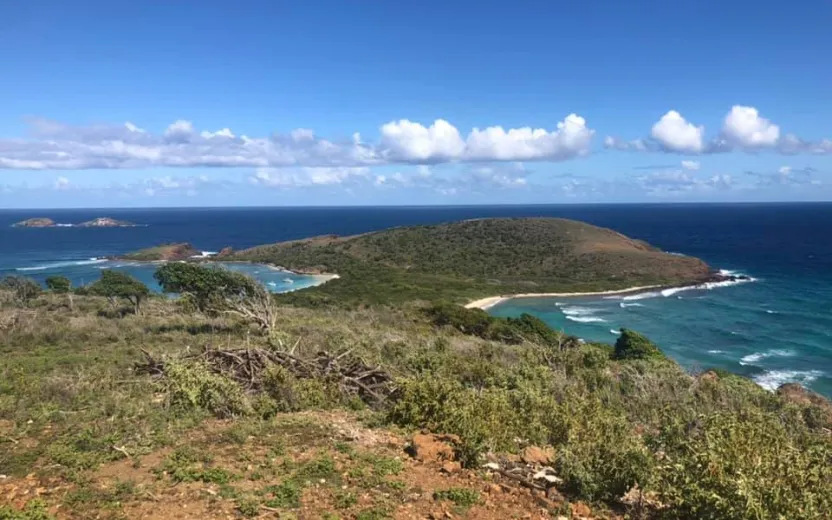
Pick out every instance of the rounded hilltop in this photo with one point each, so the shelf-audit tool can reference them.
(482, 257)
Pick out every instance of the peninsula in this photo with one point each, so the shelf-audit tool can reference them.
(472, 259)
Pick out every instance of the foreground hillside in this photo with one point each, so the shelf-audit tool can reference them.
(477, 258)
(181, 413)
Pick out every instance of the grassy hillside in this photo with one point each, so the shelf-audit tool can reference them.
(84, 433)
(478, 258)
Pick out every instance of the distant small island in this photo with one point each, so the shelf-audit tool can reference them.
(35, 223)
(100, 222)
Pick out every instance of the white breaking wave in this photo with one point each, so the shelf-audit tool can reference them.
(586, 319)
(58, 265)
(631, 297)
(288, 280)
(578, 311)
(616, 332)
(715, 352)
(582, 314)
(757, 356)
(772, 380)
(673, 290)
(625, 305)
(769, 311)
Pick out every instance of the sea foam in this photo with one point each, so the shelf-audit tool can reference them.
(772, 379)
(58, 265)
(750, 359)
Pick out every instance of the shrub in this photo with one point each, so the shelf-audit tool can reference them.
(24, 290)
(632, 345)
(194, 386)
(58, 284)
(744, 466)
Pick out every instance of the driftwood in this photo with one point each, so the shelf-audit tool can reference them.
(247, 366)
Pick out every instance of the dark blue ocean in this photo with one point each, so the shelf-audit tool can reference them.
(775, 329)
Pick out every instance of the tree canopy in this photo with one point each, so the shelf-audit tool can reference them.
(58, 284)
(206, 287)
(116, 284)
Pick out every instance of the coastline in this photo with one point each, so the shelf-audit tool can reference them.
(491, 301)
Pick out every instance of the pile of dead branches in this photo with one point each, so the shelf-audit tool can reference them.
(248, 366)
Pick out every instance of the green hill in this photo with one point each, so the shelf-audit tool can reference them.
(482, 257)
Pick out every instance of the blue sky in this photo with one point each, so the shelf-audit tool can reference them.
(161, 103)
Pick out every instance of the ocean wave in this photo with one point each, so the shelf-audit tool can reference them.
(625, 305)
(615, 332)
(632, 297)
(758, 356)
(578, 311)
(772, 379)
(716, 352)
(58, 265)
(707, 286)
(586, 319)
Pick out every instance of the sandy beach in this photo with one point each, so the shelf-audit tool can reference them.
(485, 303)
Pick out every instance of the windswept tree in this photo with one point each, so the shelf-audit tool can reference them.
(207, 287)
(58, 284)
(219, 291)
(116, 284)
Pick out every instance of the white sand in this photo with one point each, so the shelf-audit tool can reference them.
(485, 303)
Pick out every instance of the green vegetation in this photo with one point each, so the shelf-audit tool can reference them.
(116, 284)
(475, 258)
(206, 288)
(58, 284)
(632, 345)
(255, 418)
(462, 497)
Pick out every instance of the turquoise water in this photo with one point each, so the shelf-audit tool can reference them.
(766, 329)
(82, 272)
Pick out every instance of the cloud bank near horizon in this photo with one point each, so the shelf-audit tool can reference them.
(57, 146)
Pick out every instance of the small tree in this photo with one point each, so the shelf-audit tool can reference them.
(23, 289)
(632, 345)
(115, 284)
(208, 287)
(58, 284)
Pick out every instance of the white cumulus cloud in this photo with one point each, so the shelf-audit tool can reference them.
(744, 127)
(676, 134)
(409, 141)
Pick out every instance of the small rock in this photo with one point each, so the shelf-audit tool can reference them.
(537, 455)
(492, 466)
(428, 447)
(451, 467)
(581, 510)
